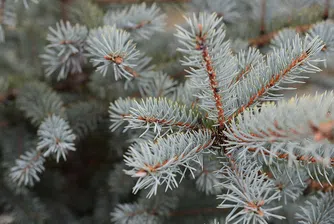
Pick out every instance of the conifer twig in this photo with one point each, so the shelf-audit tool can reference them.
(201, 45)
(272, 82)
(316, 186)
(301, 158)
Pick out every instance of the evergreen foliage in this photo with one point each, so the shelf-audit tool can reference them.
(108, 115)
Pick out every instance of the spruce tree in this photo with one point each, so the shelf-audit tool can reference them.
(110, 115)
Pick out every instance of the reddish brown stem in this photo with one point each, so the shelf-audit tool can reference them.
(63, 9)
(200, 45)
(315, 185)
(312, 184)
(301, 158)
(118, 59)
(154, 167)
(241, 74)
(38, 155)
(131, 71)
(272, 82)
(265, 39)
(138, 26)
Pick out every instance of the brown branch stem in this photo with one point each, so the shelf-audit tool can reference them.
(272, 82)
(301, 158)
(63, 6)
(265, 39)
(38, 155)
(200, 45)
(154, 167)
(315, 185)
(137, 26)
(241, 75)
(132, 71)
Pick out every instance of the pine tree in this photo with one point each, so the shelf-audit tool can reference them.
(110, 116)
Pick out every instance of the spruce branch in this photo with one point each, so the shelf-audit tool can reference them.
(207, 177)
(27, 168)
(64, 53)
(140, 21)
(162, 113)
(86, 12)
(55, 137)
(282, 37)
(118, 110)
(318, 210)
(290, 182)
(156, 84)
(187, 94)
(111, 47)
(212, 65)
(157, 162)
(212, 77)
(325, 30)
(133, 213)
(154, 113)
(155, 210)
(142, 75)
(249, 195)
(272, 155)
(84, 117)
(294, 130)
(38, 101)
(246, 61)
(283, 66)
(322, 186)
